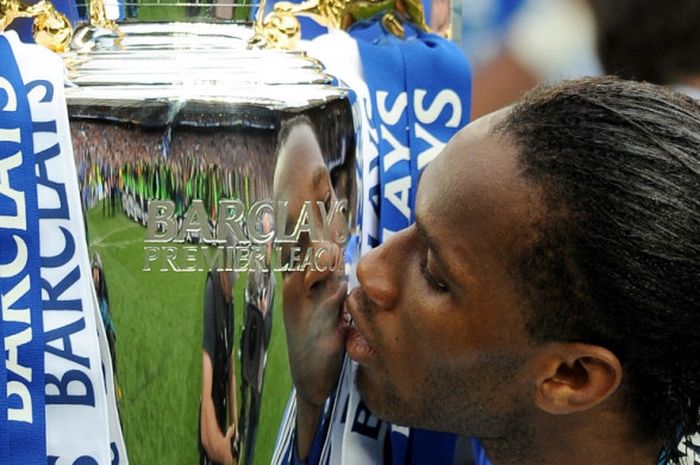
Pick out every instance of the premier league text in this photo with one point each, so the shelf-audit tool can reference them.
(242, 239)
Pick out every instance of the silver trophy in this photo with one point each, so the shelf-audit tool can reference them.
(175, 129)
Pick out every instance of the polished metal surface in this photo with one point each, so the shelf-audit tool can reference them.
(170, 68)
(190, 113)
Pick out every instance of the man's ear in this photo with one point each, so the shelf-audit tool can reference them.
(574, 377)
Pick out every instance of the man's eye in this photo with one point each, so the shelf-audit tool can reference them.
(433, 282)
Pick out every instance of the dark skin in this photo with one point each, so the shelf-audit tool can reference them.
(441, 338)
(312, 298)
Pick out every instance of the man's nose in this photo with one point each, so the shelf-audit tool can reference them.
(379, 271)
(328, 259)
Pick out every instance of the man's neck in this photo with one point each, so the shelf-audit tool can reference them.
(574, 442)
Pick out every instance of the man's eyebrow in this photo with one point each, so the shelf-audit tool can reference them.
(317, 175)
(434, 248)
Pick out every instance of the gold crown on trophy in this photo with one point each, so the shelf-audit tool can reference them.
(278, 29)
(281, 28)
(51, 28)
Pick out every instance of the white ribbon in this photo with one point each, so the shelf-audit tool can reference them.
(82, 426)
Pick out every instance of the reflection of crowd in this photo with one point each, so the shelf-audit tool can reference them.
(127, 167)
(123, 167)
(98, 182)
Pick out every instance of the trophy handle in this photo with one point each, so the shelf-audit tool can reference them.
(279, 29)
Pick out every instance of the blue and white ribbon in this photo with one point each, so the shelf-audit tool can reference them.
(81, 424)
(420, 92)
(3, 396)
(20, 286)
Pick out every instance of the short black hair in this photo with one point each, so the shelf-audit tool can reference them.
(285, 131)
(288, 126)
(650, 40)
(617, 259)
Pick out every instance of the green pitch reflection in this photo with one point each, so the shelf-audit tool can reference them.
(158, 321)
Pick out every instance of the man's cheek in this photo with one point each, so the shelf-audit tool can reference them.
(396, 353)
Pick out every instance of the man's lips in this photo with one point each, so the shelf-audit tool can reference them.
(356, 344)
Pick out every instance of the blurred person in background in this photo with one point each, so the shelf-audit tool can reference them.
(650, 40)
(515, 44)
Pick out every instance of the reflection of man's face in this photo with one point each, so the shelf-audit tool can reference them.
(312, 299)
(302, 175)
(440, 332)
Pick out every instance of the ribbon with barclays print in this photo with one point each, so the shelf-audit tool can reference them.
(76, 417)
(81, 423)
(20, 285)
(420, 90)
(3, 396)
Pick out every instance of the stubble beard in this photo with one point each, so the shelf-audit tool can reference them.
(452, 406)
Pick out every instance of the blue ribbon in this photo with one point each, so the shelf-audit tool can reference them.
(3, 395)
(23, 26)
(20, 285)
(384, 69)
(420, 90)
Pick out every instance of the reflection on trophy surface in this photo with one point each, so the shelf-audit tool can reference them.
(313, 295)
(175, 128)
(255, 340)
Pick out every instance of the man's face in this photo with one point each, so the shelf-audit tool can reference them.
(301, 175)
(312, 298)
(440, 335)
